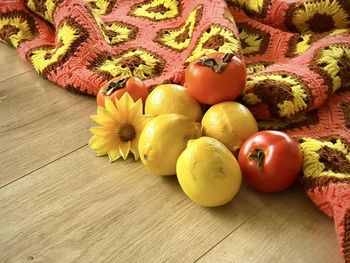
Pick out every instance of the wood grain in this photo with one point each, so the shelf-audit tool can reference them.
(10, 64)
(39, 122)
(284, 231)
(83, 209)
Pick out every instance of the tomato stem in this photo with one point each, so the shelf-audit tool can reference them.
(259, 155)
(115, 85)
(214, 63)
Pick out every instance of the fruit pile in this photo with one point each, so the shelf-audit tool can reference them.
(196, 131)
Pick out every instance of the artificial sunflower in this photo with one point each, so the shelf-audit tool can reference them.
(121, 125)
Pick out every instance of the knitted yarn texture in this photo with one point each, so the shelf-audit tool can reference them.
(297, 55)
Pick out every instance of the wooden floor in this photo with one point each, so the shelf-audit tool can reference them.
(60, 203)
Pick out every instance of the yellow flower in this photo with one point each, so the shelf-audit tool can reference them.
(121, 125)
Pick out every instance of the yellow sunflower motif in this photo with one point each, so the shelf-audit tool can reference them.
(157, 9)
(256, 67)
(179, 38)
(288, 107)
(44, 8)
(304, 44)
(320, 16)
(340, 32)
(100, 6)
(43, 57)
(121, 126)
(116, 33)
(214, 39)
(136, 62)
(321, 158)
(253, 41)
(252, 6)
(15, 30)
(334, 61)
(298, 121)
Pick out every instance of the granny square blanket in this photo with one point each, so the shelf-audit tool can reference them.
(297, 54)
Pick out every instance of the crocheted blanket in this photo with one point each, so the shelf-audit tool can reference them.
(297, 54)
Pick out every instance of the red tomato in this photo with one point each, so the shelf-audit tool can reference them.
(116, 87)
(271, 161)
(216, 77)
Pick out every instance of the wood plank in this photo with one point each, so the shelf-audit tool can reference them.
(10, 64)
(39, 122)
(284, 231)
(83, 209)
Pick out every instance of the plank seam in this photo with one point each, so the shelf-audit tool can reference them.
(43, 166)
(15, 76)
(245, 221)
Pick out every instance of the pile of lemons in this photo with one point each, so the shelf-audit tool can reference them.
(198, 148)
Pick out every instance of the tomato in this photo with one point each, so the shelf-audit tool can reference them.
(271, 161)
(216, 77)
(116, 87)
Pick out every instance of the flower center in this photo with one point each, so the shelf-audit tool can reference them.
(126, 132)
(321, 23)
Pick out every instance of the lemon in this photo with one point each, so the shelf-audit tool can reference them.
(171, 98)
(208, 172)
(229, 122)
(163, 139)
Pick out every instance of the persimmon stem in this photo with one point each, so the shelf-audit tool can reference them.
(227, 57)
(215, 64)
(259, 155)
(115, 85)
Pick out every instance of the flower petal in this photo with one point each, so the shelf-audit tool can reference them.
(100, 146)
(96, 119)
(134, 148)
(137, 109)
(124, 148)
(107, 117)
(114, 154)
(111, 108)
(103, 131)
(95, 141)
(102, 113)
(141, 122)
(124, 105)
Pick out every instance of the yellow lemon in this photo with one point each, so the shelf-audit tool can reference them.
(163, 139)
(229, 122)
(171, 98)
(208, 172)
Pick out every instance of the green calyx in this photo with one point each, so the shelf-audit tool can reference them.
(259, 155)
